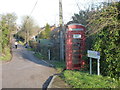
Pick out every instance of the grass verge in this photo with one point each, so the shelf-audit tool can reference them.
(6, 56)
(40, 56)
(60, 66)
(80, 79)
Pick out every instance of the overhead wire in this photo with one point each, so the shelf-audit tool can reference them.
(92, 3)
(77, 5)
(33, 8)
(28, 18)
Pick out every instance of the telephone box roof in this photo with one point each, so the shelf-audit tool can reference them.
(76, 24)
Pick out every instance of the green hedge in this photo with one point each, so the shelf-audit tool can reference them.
(106, 23)
(5, 42)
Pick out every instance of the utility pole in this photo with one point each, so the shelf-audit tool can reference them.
(61, 31)
(26, 31)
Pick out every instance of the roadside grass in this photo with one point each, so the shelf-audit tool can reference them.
(60, 66)
(40, 56)
(7, 55)
(30, 49)
(81, 79)
(57, 64)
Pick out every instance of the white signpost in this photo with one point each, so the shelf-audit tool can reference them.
(96, 55)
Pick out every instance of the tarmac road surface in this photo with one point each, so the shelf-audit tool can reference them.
(25, 70)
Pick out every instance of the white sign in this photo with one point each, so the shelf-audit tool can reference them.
(93, 54)
(76, 35)
(96, 55)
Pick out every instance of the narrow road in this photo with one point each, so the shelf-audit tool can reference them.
(25, 70)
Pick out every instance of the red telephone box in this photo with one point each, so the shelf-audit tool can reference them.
(75, 46)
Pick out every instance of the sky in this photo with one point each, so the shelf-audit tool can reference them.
(46, 11)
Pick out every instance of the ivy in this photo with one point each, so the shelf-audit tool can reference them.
(107, 38)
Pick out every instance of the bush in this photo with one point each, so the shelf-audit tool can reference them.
(6, 55)
(5, 42)
(107, 39)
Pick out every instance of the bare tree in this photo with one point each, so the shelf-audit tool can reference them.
(28, 28)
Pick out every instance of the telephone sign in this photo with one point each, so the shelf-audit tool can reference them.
(76, 36)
